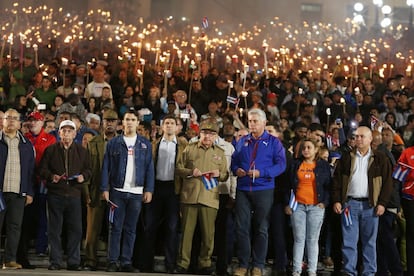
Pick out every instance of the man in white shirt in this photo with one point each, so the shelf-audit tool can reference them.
(164, 207)
(362, 187)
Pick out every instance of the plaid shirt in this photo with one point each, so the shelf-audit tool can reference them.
(12, 171)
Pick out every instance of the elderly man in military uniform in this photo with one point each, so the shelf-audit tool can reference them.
(202, 165)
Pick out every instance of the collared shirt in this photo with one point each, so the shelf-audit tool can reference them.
(358, 184)
(166, 160)
(12, 172)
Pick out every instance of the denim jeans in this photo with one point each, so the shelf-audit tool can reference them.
(364, 227)
(306, 226)
(68, 209)
(252, 212)
(124, 225)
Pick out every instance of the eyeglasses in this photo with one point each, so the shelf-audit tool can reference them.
(11, 118)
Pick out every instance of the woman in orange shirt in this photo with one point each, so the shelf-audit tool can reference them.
(310, 182)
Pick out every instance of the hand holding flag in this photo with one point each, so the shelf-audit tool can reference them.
(112, 207)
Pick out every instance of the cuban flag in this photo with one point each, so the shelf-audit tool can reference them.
(204, 22)
(232, 100)
(209, 181)
(2, 203)
(112, 207)
(329, 142)
(400, 172)
(293, 204)
(374, 121)
(347, 216)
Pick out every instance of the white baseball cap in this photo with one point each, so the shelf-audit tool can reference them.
(68, 123)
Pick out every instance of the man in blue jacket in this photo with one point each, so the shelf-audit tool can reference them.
(17, 163)
(258, 159)
(127, 181)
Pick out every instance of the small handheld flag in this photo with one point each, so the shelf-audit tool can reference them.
(401, 172)
(209, 181)
(232, 100)
(293, 204)
(112, 207)
(204, 22)
(347, 216)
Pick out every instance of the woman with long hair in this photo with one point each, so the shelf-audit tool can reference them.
(310, 182)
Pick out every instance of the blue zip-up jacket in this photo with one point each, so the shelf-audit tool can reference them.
(27, 163)
(323, 178)
(115, 162)
(269, 159)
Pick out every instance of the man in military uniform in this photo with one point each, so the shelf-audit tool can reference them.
(201, 166)
(96, 204)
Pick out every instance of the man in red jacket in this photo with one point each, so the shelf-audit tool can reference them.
(35, 214)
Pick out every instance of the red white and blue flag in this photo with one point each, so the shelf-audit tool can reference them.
(209, 181)
(232, 100)
(204, 22)
(401, 172)
(347, 216)
(293, 204)
(374, 121)
(112, 207)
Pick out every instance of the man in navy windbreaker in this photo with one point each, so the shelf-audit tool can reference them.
(258, 159)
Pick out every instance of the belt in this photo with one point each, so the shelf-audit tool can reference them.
(164, 182)
(358, 198)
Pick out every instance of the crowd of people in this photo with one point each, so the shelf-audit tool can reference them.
(193, 163)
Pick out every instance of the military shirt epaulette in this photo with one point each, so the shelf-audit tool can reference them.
(219, 147)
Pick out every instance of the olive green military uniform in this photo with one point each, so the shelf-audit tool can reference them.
(198, 203)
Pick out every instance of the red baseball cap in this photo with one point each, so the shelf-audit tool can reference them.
(36, 115)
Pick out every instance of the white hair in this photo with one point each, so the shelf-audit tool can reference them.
(259, 112)
(91, 116)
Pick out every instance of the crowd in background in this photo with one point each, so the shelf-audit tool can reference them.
(303, 112)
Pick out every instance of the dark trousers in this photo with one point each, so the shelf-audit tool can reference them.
(408, 208)
(34, 226)
(252, 212)
(224, 239)
(68, 209)
(95, 221)
(278, 226)
(13, 217)
(388, 257)
(162, 210)
(28, 232)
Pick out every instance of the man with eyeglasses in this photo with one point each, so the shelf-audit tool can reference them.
(201, 165)
(127, 180)
(1, 119)
(35, 216)
(17, 162)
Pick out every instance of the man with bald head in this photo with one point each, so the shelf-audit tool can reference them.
(362, 186)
